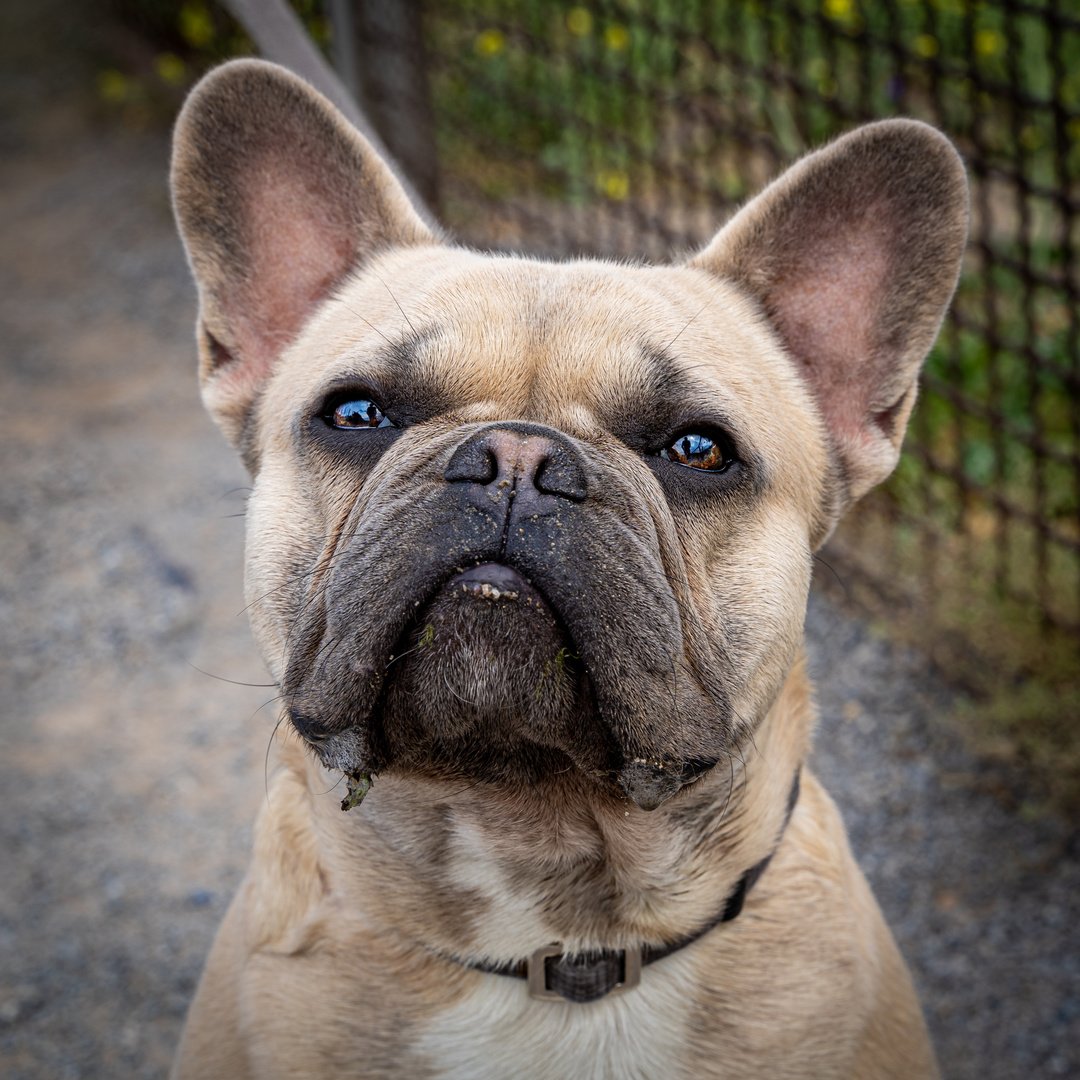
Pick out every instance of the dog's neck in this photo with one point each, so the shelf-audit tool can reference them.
(481, 873)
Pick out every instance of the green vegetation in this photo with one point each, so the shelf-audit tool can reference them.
(166, 45)
(357, 786)
(581, 100)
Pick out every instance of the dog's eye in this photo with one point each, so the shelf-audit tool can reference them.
(698, 451)
(357, 413)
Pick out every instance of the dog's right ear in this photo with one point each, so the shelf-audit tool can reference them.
(853, 255)
(278, 199)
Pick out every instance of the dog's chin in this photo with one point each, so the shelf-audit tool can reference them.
(487, 684)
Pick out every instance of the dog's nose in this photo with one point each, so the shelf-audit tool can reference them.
(525, 457)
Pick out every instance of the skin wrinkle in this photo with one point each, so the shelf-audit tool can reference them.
(332, 541)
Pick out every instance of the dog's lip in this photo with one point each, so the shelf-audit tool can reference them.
(493, 581)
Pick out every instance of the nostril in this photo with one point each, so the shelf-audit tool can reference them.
(472, 463)
(556, 475)
(534, 458)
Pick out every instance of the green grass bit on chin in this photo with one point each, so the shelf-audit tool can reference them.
(561, 658)
(359, 785)
(559, 665)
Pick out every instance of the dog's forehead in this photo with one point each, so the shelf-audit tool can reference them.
(547, 340)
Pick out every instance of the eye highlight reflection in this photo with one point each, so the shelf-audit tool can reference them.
(698, 451)
(357, 413)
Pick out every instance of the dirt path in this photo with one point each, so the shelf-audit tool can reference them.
(129, 780)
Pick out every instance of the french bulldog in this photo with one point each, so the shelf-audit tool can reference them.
(528, 554)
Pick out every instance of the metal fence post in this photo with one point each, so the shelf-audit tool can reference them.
(388, 66)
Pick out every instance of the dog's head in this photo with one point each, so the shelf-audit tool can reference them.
(514, 518)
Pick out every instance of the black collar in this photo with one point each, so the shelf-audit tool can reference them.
(554, 975)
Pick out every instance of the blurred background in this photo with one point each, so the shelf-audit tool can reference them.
(945, 624)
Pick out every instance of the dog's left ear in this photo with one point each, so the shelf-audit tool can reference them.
(853, 254)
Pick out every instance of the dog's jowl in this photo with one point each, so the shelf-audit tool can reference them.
(528, 554)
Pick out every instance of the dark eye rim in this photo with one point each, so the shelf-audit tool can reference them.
(333, 401)
(711, 431)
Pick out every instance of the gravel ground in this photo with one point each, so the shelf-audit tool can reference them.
(984, 906)
(129, 779)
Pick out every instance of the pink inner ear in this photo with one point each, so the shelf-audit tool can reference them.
(828, 309)
(296, 253)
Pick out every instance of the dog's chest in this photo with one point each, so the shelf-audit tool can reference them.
(499, 1031)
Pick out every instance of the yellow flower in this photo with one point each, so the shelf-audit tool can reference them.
(490, 42)
(989, 42)
(613, 183)
(926, 45)
(616, 38)
(112, 86)
(170, 68)
(196, 24)
(579, 21)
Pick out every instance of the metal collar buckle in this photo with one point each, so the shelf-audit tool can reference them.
(540, 973)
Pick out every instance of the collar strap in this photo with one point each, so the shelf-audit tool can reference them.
(553, 975)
